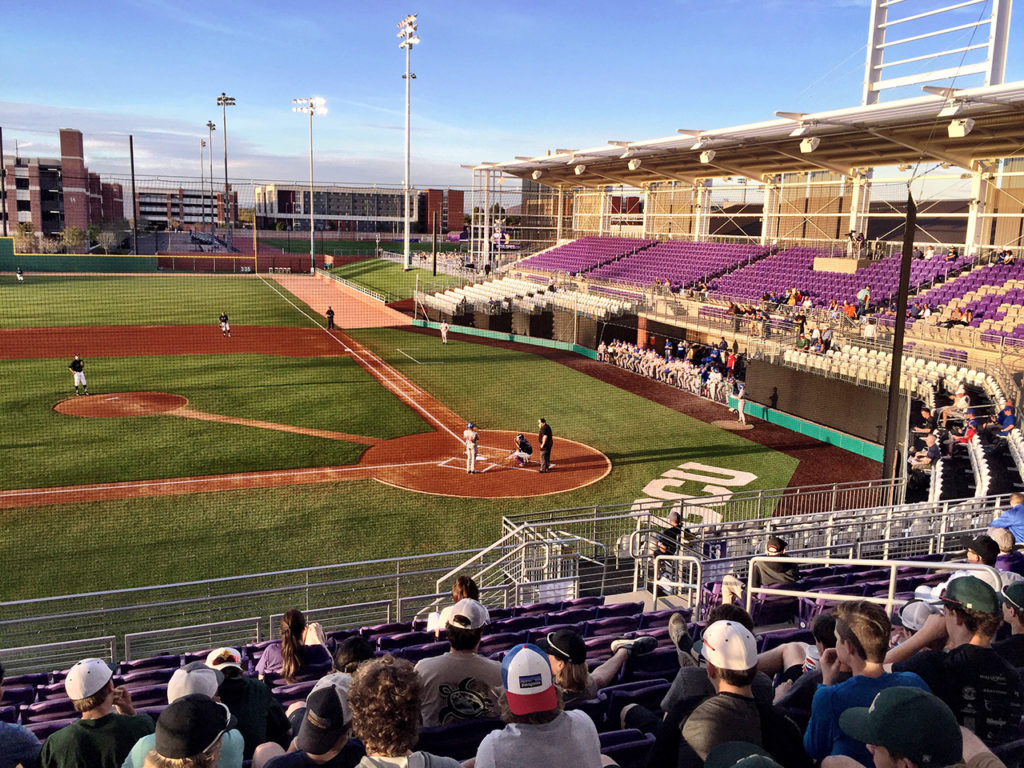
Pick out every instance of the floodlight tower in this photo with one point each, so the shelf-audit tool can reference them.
(224, 101)
(210, 124)
(312, 105)
(407, 33)
(202, 183)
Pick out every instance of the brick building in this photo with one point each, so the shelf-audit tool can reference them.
(54, 193)
(447, 206)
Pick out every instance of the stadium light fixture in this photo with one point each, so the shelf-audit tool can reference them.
(707, 156)
(212, 127)
(702, 143)
(536, 175)
(312, 105)
(580, 169)
(958, 129)
(809, 144)
(903, 167)
(407, 34)
(224, 101)
(800, 130)
(633, 164)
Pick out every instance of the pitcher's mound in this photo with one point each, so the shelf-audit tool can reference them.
(120, 404)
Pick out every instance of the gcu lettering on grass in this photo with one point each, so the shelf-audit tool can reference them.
(718, 483)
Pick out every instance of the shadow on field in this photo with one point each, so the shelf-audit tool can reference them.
(697, 451)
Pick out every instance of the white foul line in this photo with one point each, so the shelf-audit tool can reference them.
(409, 356)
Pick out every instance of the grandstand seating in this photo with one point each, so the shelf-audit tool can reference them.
(679, 262)
(994, 294)
(584, 254)
(527, 296)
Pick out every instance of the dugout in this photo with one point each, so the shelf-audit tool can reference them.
(539, 325)
(498, 321)
(574, 328)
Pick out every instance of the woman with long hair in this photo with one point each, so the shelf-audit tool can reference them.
(301, 645)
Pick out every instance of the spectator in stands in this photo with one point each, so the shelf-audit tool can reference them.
(260, 716)
(1010, 559)
(323, 733)
(863, 300)
(302, 645)
(18, 745)
(798, 664)
(668, 539)
(195, 679)
(862, 638)
(767, 573)
(109, 726)
(1012, 648)
(965, 434)
(386, 699)
(463, 588)
(733, 713)
(1013, 518)
(923, 423)
(1005, 258)
(802, 342)
(958, 410)
(460, 684)
(539, 731)
(911, 619)
(351, 652)
(870, 330)
(568, 660)
(190, 733)
(929, 456)
(982, 550)
(910, 728)
(982, 689)
(1006, 419)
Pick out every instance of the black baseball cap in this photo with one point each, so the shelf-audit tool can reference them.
(191, 725)
(326, 718)
(985, 547)
(564, 644)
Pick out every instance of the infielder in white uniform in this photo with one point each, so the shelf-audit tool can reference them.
(471, 438)
(444, 332)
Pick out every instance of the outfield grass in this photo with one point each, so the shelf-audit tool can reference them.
(43, 448)
(151, 541)
(390, 279)
(57, 301)
(296, 244)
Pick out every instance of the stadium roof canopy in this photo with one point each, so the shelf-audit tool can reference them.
(960, 127)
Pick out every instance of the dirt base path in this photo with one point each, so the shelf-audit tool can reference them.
(352, 309)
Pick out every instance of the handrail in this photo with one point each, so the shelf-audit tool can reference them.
(355, 286)
(479, 555)
(133, 638)
(695, 586)
(890, 601)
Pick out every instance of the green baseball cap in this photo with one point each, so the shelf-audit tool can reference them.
(1013, 595)
(971, 593)
(739, 754)
(909, 722)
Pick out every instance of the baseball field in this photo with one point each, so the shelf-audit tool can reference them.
(197, 455)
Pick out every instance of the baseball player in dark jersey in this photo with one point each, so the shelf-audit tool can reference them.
(77, 369)
(225, 329)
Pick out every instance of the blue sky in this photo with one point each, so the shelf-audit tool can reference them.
(494, 79)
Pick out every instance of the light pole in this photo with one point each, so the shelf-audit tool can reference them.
(313, 105)
(224, 101)
(202, 185)
(407, 33)
(212, 127)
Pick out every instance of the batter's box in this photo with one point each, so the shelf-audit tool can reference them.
(459, 463)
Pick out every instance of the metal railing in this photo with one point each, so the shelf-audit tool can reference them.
(61, 655)
(383, 299)
(890, 601)
(667, 574)
(198, 637)
(348, 616)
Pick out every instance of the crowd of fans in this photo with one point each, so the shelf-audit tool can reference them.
(712, 372)
(935, 684)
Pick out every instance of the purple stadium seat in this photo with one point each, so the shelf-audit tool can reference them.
(51, 709)
(391, 628)
(500, 641)
(771, 609)
(18, 694)
(538, 609)
(517, 623)
(628, 748)
(776, 637)
(619, 609)
(613, 625)
(288, 693)
(147, 695)
(571, 616)
(595, 707)
(660, 664)
(458, 740)
(43, 728)
(151, 675)
(660, 618)
(416, 652)
(50, 691)
(31, 678)
(404, 640)
(647, 693)
(537, 633)
(599, 648)
(171, 661)
(583, 602)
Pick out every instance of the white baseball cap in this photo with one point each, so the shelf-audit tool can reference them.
(87, 678)
(194, 678)
(728, 645)
(219, 658)
(468, 614)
